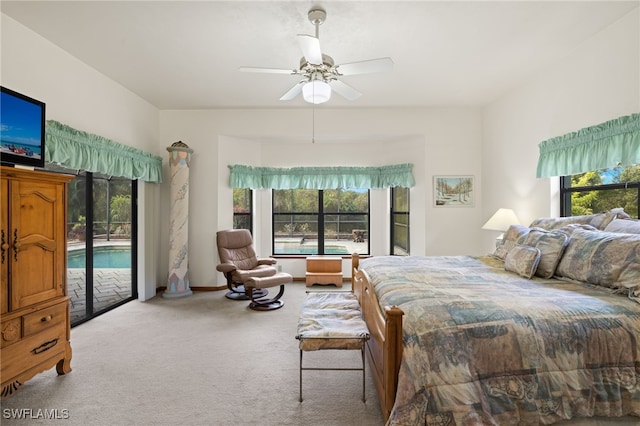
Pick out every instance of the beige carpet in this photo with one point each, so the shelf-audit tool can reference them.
(200, 360)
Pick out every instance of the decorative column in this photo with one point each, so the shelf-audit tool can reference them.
(178, 281)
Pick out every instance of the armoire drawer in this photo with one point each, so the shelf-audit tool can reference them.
(43, 319)
(32, 350)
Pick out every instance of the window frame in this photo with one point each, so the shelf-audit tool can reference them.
(566, 190)
(320, 221)
(395, 212)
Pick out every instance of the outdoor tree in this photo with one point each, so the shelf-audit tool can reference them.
(121, 213)
(597, 201)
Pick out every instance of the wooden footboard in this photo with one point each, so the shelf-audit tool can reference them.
(384, 348)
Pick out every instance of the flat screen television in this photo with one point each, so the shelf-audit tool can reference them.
(21, 129)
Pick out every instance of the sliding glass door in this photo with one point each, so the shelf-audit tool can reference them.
(101, 244)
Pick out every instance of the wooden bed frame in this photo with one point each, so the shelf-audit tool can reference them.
(384, 348)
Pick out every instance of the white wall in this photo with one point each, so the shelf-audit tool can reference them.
(82, 98)
(598, 82)
(436, 141)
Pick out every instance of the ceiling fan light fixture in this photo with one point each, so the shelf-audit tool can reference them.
(316, 92)
(317, 70)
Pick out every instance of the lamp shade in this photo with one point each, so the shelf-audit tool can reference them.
(501, 220)
(316, 92)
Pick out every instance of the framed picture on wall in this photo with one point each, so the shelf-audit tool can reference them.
(453, 191)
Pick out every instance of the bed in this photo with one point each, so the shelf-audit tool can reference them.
(504, 339)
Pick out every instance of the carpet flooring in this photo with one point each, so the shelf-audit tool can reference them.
(198, 360)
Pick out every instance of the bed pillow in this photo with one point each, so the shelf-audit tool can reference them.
(568, 229)
(551, 245)
(624, 225)
(597, 220)
(603, 258)
(510, 239)
(604, 221)
(550, 223)
(523, 260)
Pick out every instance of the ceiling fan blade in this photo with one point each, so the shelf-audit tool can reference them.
(310, 48)
(366, 67)
(267, 70)
(293, 92)
(344, 90)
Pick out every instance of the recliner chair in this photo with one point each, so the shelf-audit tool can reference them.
(239, 262)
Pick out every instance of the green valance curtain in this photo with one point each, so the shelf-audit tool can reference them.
(321, 177)
(612, 143)
(79, 150)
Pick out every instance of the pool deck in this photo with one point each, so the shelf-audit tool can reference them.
(73, 245)
(306, 247)
(110, 285)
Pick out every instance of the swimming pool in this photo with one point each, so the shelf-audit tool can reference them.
(103, 257)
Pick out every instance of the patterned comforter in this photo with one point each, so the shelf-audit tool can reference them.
(485, 346)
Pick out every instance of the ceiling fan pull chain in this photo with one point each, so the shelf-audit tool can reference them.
(313, 123)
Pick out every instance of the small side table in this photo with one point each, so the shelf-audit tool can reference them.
(324, 270)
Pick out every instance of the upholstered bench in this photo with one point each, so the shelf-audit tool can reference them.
(253, 283)
(332, 320)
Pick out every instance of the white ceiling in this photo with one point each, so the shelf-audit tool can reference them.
(185, 55)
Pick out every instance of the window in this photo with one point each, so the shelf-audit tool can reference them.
(600, 191)
(242, 209)
(330, 221)
(400, 221)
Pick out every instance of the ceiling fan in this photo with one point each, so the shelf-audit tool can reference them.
(320, 75)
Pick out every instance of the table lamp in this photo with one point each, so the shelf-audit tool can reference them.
(501, 221)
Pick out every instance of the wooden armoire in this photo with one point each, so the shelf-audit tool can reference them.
(34, 314)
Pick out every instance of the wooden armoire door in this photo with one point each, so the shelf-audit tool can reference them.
(37, 255)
